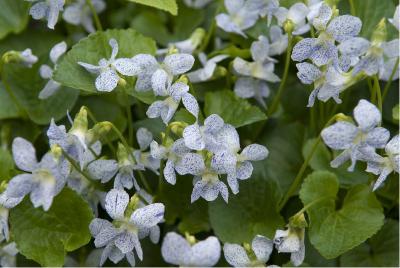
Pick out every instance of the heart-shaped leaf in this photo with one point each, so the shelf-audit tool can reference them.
(334, 230)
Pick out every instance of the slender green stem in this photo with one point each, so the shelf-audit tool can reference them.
(389, 82)
(275, 101)
(125, 143)
(352, 8)
(144, 182)
(95, 16)
(298, 179)
(80, 171)
(162, 164)
(312, 119)
(130, 125)
(371, 90)
(312, 203)
(378, 92)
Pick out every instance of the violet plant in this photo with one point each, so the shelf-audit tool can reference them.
(199, 133)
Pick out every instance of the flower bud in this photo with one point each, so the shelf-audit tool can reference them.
(177, 127)
(24, 57)
(298, 221)
(80, 125)
(379, 34)
(99, 130)
(343, 117)
(288, 26)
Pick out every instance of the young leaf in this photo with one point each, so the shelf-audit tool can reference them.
(166, 5)
(234, 110)
(95, 47)
(252, 211)
(45, 237)
(334, 231)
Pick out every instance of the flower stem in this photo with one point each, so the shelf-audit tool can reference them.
(389, 82)
(162, 163)
(83, 173)
(299, 177)
(352, 7)
(130, 126)
(312, 203)
(95, 16)
(378, 92)
(275, 101)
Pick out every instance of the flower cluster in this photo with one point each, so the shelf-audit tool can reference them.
(216, 145)
(360, 141)
(338, 56)
(76, 13)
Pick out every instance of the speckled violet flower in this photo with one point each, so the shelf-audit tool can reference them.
(143, 157)
(79, 13)
(159, 77)
(183, 252)
(383, 166)
(48, 9)
(296, 14)
(43, 180)
(122, 236)
(358, 140)
(241, 16)
(8, 254)
(291, 241)
(321, 50)
(172, 153)
(108, 70)
(249, 256)
(228, 161)
(166, 108)
(46, 72)
(209, 66)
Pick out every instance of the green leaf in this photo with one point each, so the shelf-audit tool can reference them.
(14, 16)
(8, 109)
(193, 218)
(335, 230)
(234, 110)
(252, 211)
(6, 164)
(381, 250)
(321, 161)
(371, 12)
(166, 5)
(45, 237)
(95, 47)
(26, 82)
(284, 142)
